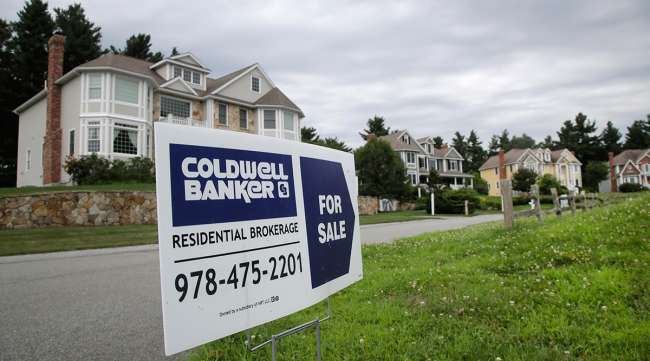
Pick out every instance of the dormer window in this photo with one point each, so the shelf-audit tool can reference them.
(196, 78)
(406, 139)
(189, 76)
(255, 84)
(178, 72)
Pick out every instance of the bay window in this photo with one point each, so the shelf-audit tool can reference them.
(289, 126)
(269, 119)
(125, 138)
(112, 137)
(410, 158)
(126, 90)
(94, 140)
(94, 86)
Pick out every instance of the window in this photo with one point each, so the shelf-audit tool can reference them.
(94, 86)
(28, 159)
(255, 84)
(196, 78)
(269, 119)
(176, 107)
(187, 75)
(647, 167)
(178, 72)
(422, 163)
(410, 158)
(93, 137)
(406, 139)
(453, 165)
(414, 179)
(125, 138)
(243, 118)
(288, 121)
(223, 114)
(126, 90)
(71, 143)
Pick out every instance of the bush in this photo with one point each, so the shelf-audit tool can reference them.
(630, 188)
(546, 182)
(453, 201)
(480, 185)
(381, 171)
(92, 169)
(523, 179)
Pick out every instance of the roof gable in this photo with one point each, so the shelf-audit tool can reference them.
(453, 153)
(233, 77)
(630, 168)
(276, 98)
(188, 58)
(179, 85)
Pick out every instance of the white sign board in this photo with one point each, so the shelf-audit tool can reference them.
(250, 229)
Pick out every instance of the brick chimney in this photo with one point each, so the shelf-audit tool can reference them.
(53, 133)
(502, 164)
(612, 173)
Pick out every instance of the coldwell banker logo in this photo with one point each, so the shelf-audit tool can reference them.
(217, 185)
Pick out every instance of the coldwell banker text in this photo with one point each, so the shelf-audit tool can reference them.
(220, 179)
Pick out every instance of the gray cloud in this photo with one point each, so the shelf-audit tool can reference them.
(431, 67)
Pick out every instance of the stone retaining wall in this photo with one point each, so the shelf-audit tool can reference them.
(368, 205)
(78, 208)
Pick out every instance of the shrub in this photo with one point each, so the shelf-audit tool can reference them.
(546, 182)
(93, 169)
(453, 201)
(381, 171)
(480, 185)
(630, 188)
(523, 179)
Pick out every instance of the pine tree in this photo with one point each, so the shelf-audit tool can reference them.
(309, 135)
(174, 51)
(522, 142)
(504, 140)
(438, 142)
(475, 155)
(547, 143)
(138, 46)
(610, 137)
(578, 136)
(494, 145)
(459, 143)
(82, 37)
(28, 47)
(638, 135)
(377, 126)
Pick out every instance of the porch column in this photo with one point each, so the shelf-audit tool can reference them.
(471, 182)
(455, 181)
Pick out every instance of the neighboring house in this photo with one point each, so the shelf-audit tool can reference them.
(562, 164)
(420, 156)
(108, 105)
(629, 166)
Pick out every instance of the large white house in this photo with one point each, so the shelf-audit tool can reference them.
(107, 106)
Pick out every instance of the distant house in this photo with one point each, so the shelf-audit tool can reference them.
(629, 166)
(108, 105)
(562, 164)
(420, 157)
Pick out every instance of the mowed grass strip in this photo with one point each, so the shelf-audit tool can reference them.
(574, 288)
(112, 187)
(53, 239)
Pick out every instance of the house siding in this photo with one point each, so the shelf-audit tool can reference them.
(241, 89)
(31, 130)
(70, 107)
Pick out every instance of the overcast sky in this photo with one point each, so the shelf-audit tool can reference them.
(429, 67)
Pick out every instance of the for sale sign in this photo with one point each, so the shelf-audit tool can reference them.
(250, 229)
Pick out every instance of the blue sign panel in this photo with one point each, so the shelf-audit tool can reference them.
(329, 218)
(217, 185)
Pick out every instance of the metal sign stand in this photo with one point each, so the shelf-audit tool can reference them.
(276, 338)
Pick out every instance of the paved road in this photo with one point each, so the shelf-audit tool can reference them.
(105, 304)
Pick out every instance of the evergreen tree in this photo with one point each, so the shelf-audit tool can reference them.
(459, 143)
(579, 136)
(335, 143)
(377, 126)
(380, 170)
(475, 155)
(28, 47)
(174, 51)
(82, 37)
(438, 141)
(309, 135)
(504, 140)
(7, 97)
(494, 145)
(610, 137)
(547, 143)
(138, 46)
(638, 135)
(522, 142)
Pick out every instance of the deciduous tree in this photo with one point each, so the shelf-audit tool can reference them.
(380, 170)
(377, 126)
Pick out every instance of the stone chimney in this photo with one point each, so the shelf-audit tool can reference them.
(502, 164)
(612, 173)
(53, 133)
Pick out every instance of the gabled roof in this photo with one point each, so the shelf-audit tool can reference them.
(193, 59)
(121, 62)
(511, 156)
(394, 139)
(635, 155)
(183, 83)
(276, 98)
(214, 84)
(234, 76)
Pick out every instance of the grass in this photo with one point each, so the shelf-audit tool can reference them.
(53, 239)
(114, 187)
(575, 288)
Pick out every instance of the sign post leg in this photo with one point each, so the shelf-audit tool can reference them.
(318, 341)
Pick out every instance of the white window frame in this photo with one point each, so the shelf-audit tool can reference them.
(100, 87)
(175, 99)
(127, 127)
(138, 86)
(275, 119)
(413, 178)
(259, 84)
(453, 165)
(284, 129)
(99, 139)
(219, 114)
(410, 155)
(240, 120)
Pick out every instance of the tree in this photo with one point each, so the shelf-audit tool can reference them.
(546, 182)
(139, 46)
(28, 47)
(309, 135)
(494, 146)
(547, 143)
(475, 155)
(438, 141)
(174, 52)
(82, 37)
(522, 142)
(579, 137)
(375, 125)
(523, 179)
(638, 135)
(595, 172)
(459, 143)
(435, 181)
(504, 140)
(610, 137)
(335, 143)
(380, 170)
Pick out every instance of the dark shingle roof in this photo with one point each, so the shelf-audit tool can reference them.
(511, 157)
(276, 97)
(123, 62)
(630, 154)
(396, 143)
(213, 84)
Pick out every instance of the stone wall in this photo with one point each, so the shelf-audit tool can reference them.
(78, 208)
(368, 205)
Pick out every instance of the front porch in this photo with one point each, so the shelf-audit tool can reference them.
(452, 180)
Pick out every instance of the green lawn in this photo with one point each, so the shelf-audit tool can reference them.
(130, 187)
(53, 239)
(575, 288)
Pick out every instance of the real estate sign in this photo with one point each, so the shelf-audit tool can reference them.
(250, 229)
